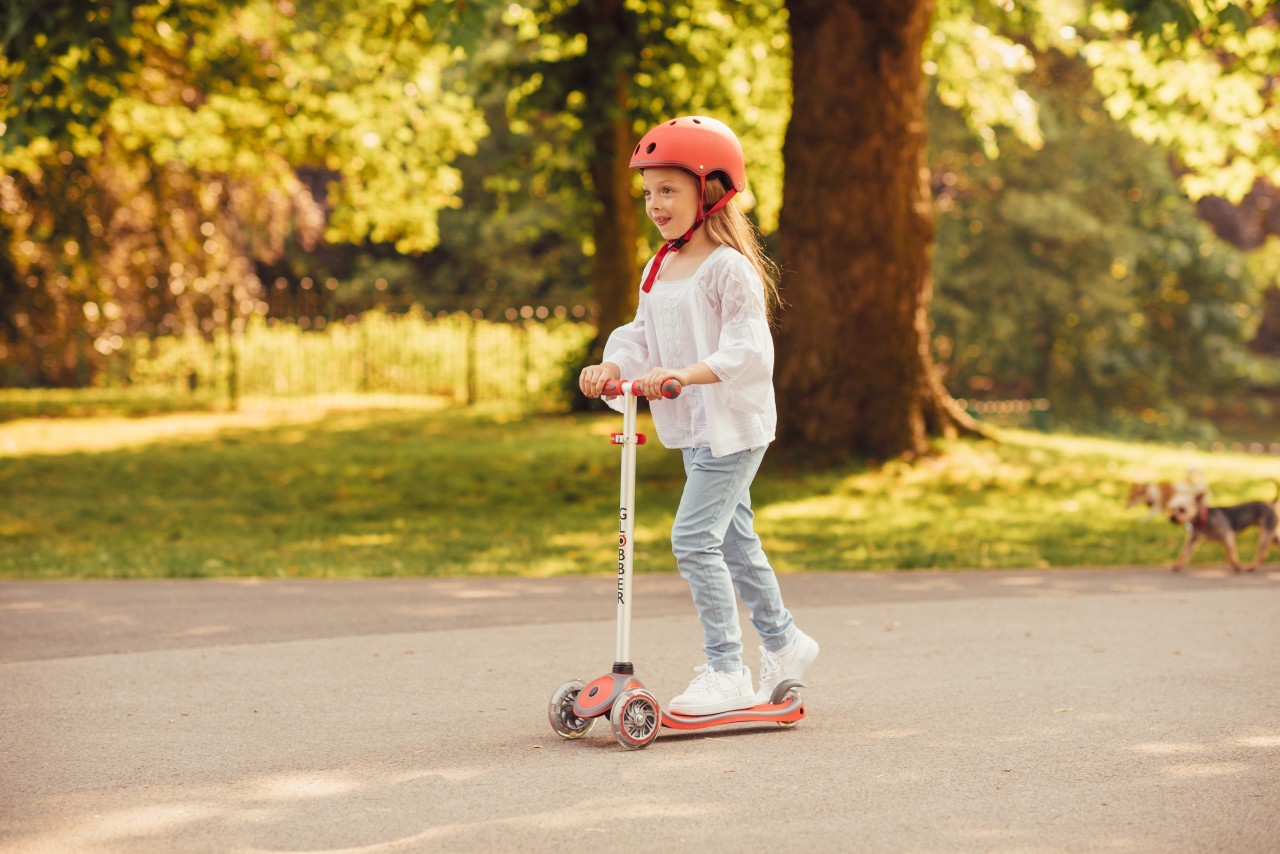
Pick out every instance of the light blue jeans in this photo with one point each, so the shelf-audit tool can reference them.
(718, 552)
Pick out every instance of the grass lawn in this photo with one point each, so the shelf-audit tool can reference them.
(453, 492)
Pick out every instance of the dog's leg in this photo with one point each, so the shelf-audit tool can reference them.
(1229, 541)
(1262, 549)
(1265, 539)
(1193, 540)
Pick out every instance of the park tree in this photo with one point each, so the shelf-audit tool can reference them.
(155, 152)
(589, 78)
(855, 370)
(1078, 271)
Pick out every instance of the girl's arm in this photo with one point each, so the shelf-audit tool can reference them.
(695, 374)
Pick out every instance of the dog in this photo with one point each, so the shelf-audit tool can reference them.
(1157, 495)
(1222, 524)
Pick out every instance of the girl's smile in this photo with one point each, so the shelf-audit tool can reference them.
(671, 200)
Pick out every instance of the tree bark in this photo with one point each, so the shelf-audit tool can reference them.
(616, 223)
(614, 228)
(855, 373)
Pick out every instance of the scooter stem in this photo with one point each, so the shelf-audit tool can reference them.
(626, 531)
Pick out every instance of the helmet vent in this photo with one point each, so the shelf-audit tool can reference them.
(697, 121)
(637, 151)
(651, 147)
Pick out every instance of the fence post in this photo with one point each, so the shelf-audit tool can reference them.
(472, 332)
(364, 352)
(524, 332)
(233, 363)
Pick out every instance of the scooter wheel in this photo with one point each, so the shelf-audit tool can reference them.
(560, 711)
(786, 692)
(636, 718)
(787, 698)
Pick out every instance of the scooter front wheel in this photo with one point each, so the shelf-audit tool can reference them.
(636, 718)
(560, 711)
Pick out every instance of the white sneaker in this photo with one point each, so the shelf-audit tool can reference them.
(713, 691)
(790, 662)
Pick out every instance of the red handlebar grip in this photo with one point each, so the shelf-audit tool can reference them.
(670, 388)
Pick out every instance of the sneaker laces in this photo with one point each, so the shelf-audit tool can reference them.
(770, 667)
(706, 676)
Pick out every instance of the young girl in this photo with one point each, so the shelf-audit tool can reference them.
(703, 319)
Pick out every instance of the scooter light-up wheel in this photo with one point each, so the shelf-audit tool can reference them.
(636, 718)
(560, 711)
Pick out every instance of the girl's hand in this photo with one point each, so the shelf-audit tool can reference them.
(593, 378)
(651, 383)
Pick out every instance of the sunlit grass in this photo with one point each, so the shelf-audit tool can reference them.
(383, 493)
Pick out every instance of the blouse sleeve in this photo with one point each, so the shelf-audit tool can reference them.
(744, 359)
(628, 347)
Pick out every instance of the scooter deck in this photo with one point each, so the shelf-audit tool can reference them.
(789, 712)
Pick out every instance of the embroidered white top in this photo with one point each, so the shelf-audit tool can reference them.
(717, 316)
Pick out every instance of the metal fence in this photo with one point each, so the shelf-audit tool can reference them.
(448, 357)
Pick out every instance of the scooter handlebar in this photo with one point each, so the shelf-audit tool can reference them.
(670, 388)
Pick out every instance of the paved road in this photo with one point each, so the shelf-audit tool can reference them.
(1072, 710)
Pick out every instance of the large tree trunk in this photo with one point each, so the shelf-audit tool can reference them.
(855, 372)
(615, 226)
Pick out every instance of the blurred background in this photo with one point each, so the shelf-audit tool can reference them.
(204, 202)
(1058, 218)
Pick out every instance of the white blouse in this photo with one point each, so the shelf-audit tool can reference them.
(716, 316)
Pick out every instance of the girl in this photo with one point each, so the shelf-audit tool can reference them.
(703, 319)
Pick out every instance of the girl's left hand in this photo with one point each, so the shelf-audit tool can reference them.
(651, 383)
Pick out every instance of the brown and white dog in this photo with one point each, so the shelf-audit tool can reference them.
(1157, 495)
(1222, 524)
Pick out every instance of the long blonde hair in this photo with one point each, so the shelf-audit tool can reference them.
(730, 226)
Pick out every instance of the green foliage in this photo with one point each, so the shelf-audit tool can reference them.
(730, 60)
(1079, 273)
(1164, 21)
(63, 62)
(977, 57)
(518, 233)
(160, 158)
(221, 134)
(1201, 84)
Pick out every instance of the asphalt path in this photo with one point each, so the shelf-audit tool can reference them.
(1017, 711)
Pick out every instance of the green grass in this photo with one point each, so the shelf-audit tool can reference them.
(453, 492)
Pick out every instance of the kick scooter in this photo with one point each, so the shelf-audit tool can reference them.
(618, 695)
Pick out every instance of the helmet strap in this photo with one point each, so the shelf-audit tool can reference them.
(679, 242)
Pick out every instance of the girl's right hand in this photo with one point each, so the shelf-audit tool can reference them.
(593, 378)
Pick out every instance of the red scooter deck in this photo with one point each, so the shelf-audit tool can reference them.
(790, 711)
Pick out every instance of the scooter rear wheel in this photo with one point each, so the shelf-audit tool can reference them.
(560, 711)
(786, 692)
(636, 718)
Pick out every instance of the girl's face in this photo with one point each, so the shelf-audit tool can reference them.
(671, 200)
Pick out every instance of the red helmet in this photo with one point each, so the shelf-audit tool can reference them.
(699, 144)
